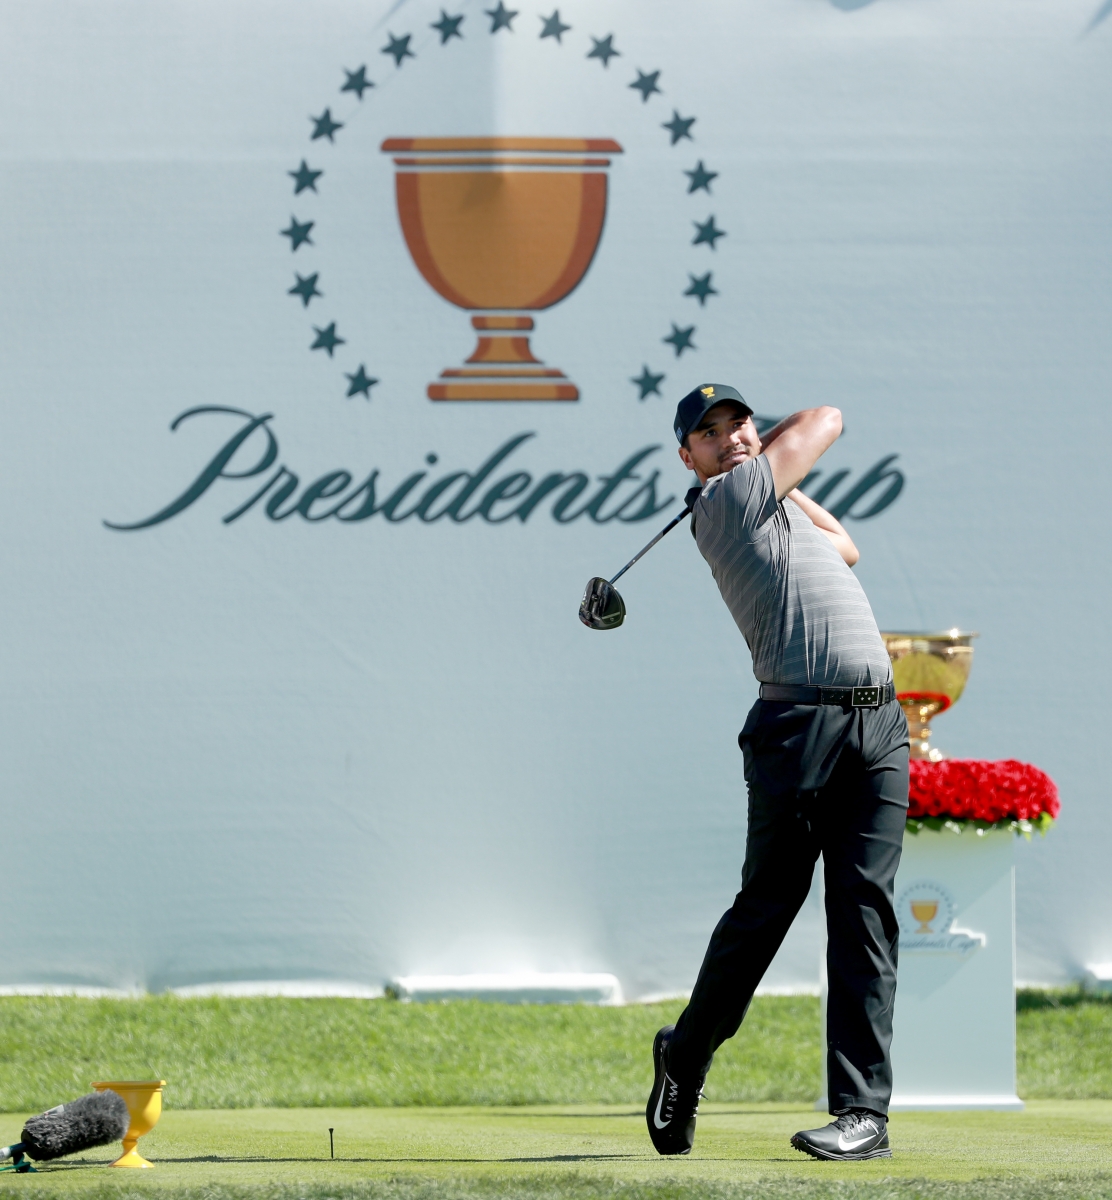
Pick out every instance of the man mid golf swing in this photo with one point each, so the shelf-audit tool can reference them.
(825, 753)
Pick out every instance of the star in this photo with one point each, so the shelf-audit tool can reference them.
(357, 81)
(501, 17)
(604, 49)
(681, 338)
(360, 382)
(447, 27)
(700, 178)
(680, 127)
(554, 28)
(700, 287)
(646, 84)
(304, 178)
(648, 383)
(306, 288)
(298, 233)
(708, 232)
(399, 48)
(327, 339)
(325, 126)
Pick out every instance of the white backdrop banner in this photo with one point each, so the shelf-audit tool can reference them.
(340, 346)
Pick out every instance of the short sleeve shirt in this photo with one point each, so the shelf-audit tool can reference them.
(801, 610)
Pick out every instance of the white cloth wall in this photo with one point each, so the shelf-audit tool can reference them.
(334, 752)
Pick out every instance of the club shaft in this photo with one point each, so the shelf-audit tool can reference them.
(641, 553)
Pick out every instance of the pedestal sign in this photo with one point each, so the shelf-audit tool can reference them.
(954, 1025)
(954, 1029)
(953, 1040)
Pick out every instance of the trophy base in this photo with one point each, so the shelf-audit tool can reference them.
(924, 752)
(920, 708)
(508, 370)
(502, 387)
(133, 1159)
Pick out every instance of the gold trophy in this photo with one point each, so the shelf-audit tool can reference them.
(144, 1104)
(930, 672)
(924, 911)
(503, 226)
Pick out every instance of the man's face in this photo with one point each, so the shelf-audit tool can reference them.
(722, 439)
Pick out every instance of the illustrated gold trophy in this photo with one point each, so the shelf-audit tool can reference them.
(502, 226)
(924, 911)
(930, 671)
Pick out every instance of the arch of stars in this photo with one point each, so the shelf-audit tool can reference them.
(449, 28)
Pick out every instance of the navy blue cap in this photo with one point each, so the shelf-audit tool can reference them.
(690, 410)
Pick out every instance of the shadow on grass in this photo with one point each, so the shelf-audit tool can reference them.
(229, 1160)
(754, 1109)
(575, 1116)
(264, 1158)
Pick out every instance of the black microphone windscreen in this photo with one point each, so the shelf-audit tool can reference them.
(88, 1121)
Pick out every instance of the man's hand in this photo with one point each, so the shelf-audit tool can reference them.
(821, 519)
(796, 444)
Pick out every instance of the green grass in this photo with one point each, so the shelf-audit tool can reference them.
(1056, 1149)
(291, 1068)
(254, 1053)
(223, 1053)
(511, 1187)
(1064, 1045)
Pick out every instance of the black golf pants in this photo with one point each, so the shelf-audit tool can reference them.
(855, 820)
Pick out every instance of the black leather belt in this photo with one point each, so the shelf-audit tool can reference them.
(857, 697)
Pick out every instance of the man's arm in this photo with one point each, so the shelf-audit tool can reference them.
(796, 444)
(821, 519)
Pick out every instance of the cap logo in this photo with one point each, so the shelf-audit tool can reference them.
(707, 391)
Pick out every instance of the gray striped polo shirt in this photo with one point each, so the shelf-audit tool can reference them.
(802, 612)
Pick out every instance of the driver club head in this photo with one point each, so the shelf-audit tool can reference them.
(602, 607)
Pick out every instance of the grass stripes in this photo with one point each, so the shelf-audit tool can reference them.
(248, 1053)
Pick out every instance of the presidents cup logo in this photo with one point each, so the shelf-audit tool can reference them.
(506, 226)
(407, 175)
(925, 911)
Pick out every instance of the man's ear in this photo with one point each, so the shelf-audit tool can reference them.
(686, 459)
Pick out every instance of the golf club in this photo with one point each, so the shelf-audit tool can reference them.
(602, 606)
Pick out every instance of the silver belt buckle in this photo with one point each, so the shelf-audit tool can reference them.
(864, 697)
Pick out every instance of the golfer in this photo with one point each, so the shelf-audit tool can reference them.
(825, 753)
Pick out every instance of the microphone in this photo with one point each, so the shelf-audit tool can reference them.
(88, 1121)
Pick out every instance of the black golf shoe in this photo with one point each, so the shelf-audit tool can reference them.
(672, 1106)
(855, 1134)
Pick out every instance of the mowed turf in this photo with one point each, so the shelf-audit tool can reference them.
(1064, 1045)
(254, 1053)
(250, 1053)
(1061, 1148)
(307, 1059)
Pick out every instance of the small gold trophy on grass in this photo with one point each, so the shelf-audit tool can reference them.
(144, 1103)
(930, 672)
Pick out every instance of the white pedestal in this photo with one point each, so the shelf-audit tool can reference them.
(954, 1040)
(954, 1029)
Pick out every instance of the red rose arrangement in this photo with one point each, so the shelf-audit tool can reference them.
(960, 792)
